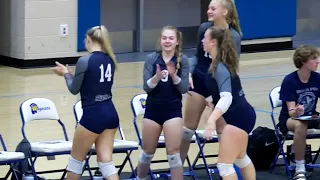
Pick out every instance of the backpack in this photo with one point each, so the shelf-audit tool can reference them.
(262, 147)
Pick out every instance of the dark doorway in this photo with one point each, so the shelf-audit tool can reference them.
(204, 9)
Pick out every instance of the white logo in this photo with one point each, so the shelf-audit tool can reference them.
(207, 55)
(307, 99)
(165, 79)
(268, 144)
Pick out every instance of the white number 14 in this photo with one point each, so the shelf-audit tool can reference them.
(106, 74)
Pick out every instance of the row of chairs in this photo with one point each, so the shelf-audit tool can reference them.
(37, 109)
(45, 109)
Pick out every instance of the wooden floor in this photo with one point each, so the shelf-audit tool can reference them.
(260, 72)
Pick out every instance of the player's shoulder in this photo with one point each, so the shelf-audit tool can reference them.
(204, 26)
(316, 76)
(152, 57)
(291, 76)
(221, 70)
(290, 79)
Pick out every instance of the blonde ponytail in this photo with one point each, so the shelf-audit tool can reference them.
(178, 51)
(232, 17)
(106, 45)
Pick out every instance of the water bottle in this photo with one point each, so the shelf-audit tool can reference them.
(97, 175)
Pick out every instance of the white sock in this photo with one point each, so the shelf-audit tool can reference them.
(300, 166)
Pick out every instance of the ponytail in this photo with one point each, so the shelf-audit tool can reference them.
(106, 45)
(232, 17)
(178, 51)
(227, 53)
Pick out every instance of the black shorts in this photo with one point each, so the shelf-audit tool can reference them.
(199, 84)
(160, 113)
(243, 117)
(100, 117)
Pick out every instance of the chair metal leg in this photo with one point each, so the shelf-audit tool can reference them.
(203, 156)
(190, 168)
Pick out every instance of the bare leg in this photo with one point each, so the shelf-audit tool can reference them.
(233, 145)
(82, 143)
(194, 107)
(104, 148)
(150, 137)
(173, 132)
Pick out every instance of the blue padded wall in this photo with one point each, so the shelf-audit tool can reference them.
(88, 16)
(267, 18)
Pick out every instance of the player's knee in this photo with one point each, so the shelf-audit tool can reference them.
(107, 169)
(187, 133)
(174, 160)
(225, 169)
(145, 158)
(75, 166)
(244, 162)
(294, 125)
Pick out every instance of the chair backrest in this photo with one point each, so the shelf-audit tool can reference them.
(77, 110)
(274, 97)
(138, 104)
(38, 109)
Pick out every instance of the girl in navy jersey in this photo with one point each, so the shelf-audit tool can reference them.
(299, 93)
(223, 14)
(165, 78)
(93, 78)
(225, 88)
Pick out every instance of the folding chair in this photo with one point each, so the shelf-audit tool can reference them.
(121, 146)
(281, 138)
(40, 109)
(10, 159)
(201, 142)
(138, 108)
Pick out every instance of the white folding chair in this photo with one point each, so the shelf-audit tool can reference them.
(121, 146)
(40, 109)
(8, 158)
(138, 108)
(275, 103)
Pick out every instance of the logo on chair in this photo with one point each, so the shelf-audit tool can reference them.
(143, 102)
(35, 109)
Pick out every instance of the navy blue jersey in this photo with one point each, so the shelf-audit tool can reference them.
(93, 78)
(165, 91)
(306, 94)
(222, 81)
(201, 61)
(240, 113)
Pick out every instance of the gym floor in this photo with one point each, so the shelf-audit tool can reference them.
(260, 72)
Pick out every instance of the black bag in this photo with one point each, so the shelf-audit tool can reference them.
(24, 166)
(262, 147)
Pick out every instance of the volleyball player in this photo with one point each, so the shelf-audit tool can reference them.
(165, 77)
(223, 14)
(93, 78)
(299, 93)
(231, 105)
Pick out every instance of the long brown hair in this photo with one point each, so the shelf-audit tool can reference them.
(227, 53)
(100, 35)
(178, 50)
